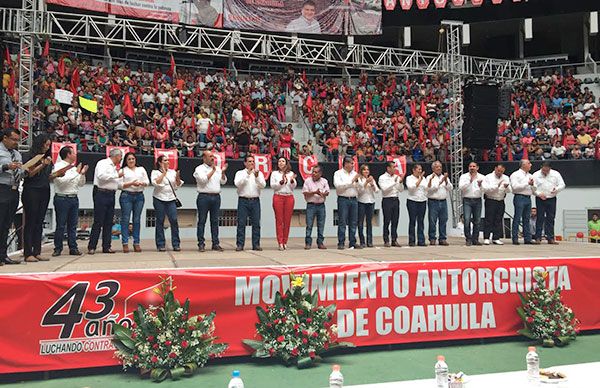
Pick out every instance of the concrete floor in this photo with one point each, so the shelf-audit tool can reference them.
(189, 257)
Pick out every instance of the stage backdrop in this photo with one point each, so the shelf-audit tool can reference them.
(196, 12)
(64, 320)
(333, 17)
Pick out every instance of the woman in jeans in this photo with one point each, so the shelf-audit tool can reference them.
(135, 179)
(165, 181)
(367, 187)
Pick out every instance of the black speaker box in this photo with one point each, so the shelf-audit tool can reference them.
(480, 123)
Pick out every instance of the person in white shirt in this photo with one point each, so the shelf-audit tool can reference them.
(470, 184)
(367, 187)
(495, 186)
(391, 185)
(521, 183)
(315, 191)
(107, 180)
(306, 23)
(345, 181)
(283, 183)
(237, 116)
(67, 182)
(416, 205)
(209, 179)
(249, 183)
(548, 183)
(438, 188)
(135, 179)
(164, 199)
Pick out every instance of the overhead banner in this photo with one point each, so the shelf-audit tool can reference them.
(64, 320)
(195, 12)
(352, 17)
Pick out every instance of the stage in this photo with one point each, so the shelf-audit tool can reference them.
(190, 257)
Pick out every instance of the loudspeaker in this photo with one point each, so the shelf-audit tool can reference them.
(504, 102)
(480, 115)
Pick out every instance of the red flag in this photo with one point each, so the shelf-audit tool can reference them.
(306, 164)
(423, 111)
(510, 155)
(535, 111)
(127, 106)
(115, 88)
(517, 110)
(544, 108)
(180, 101)
(304, 78)
(421, 134)
(193, 115)
(46, 51)
(61, 67)
(247, 113)
(309, 101)
(172, 68)
(405, 135)
(552, 91)
(340, 116)
(564, 140)
(75, 80)
(11, 83)
(498, 153)
(109, 105)
(413, 108)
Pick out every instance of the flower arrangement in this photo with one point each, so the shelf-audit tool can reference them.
(295, 328)
(546, 318)
(165, 340)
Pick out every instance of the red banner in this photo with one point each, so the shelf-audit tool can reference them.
(123, 150)
(263, 163)
(219, 159)
(171, 154)
(64, 320)
(400, 162)
(306, 164)
(56, 147)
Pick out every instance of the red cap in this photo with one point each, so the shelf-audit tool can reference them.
(531, 348)
(441, 358)
(336, 368)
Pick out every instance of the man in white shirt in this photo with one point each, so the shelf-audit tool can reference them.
(249, 183)
(521, 182)
(345, 182)
(470, 186)
(209, 179)
(391, 185)
(237, 116)
(548, 183)
(107, 180)
(495, 186)
(67, 182)
(416, 204)
(306, 23)
(438, 187)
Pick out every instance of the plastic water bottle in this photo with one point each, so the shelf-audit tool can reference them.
(336, 379)
(441, 372)
(236, 380)
(533, 365)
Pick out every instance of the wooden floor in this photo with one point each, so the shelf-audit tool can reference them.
(189, 257)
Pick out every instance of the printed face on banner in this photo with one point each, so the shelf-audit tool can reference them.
(400, 162)
(56, 147)
(306, 164)
(172, 155)
(302, 16)
(219, 159)
(341, 163)
(262, 162)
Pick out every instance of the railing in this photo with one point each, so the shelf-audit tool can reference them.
(589, 60)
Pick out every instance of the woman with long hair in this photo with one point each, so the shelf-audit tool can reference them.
(36, 196)
(283, 183)
(165, 181)
(367, 187)
(135, 179)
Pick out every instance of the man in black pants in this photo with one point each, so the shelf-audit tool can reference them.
(495, 186)
(11, 173)
(107, 179)
(391, 185)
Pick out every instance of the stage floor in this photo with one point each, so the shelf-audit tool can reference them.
(190, 257)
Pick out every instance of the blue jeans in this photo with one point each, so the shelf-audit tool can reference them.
(438, 214)
(67, 213)
(168, 209)
(248, 207)
(472, 214)
(416, 215)
(546, 211)
(131, 202)
(347, 216)
(522, 204)
(208, 203)
(365, 215)
(315, 210)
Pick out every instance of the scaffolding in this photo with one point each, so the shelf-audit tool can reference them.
(27, 29)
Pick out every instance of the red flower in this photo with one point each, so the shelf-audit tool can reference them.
(133, 325)
(532, 312)
(184, 344)
(300, 311)
(315, 335)
(134, 335)
(154, 359)
(304, 341)
(181, 330)
(296, 326)
(326, 325)
(311, 354)
(283, 320)
(295, 352)
(304, 332)
(329, 315)
(150, 338)
(326, 345)
(557, 333)
(529, 319)
(284, 297)
(269, 325)
(172, 355)
(192, 328)
(276, 321)
(184, 317)
(308, 320)
(155, 346)
(136, 357)
(168, 343)
(280, 338)
(271, 351)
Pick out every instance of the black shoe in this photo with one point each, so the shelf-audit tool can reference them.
(386, 244)
(257, 249)
(217, 248)
(56, 253)
(110, 251)
(91, 251)
(476, 242)
(515, 242)
(469, 243)
(239, 248)
(369, 245)
(75, 252)
(357, 246)
(422, 245)
(432, 242)
(8, 260)
(162, 249)
(340, 247)
(201, 248)
(444, 243)
(177, 249)
(411, 244)
(361, 246)
(395, 244)
(307, 247)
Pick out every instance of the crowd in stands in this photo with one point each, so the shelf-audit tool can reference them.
(551, 118)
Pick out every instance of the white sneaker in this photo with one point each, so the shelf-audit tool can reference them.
(498, 242)
(486, 242)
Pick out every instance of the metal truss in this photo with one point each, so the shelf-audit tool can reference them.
(455, 64)
(150, 35)
(26, 23)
